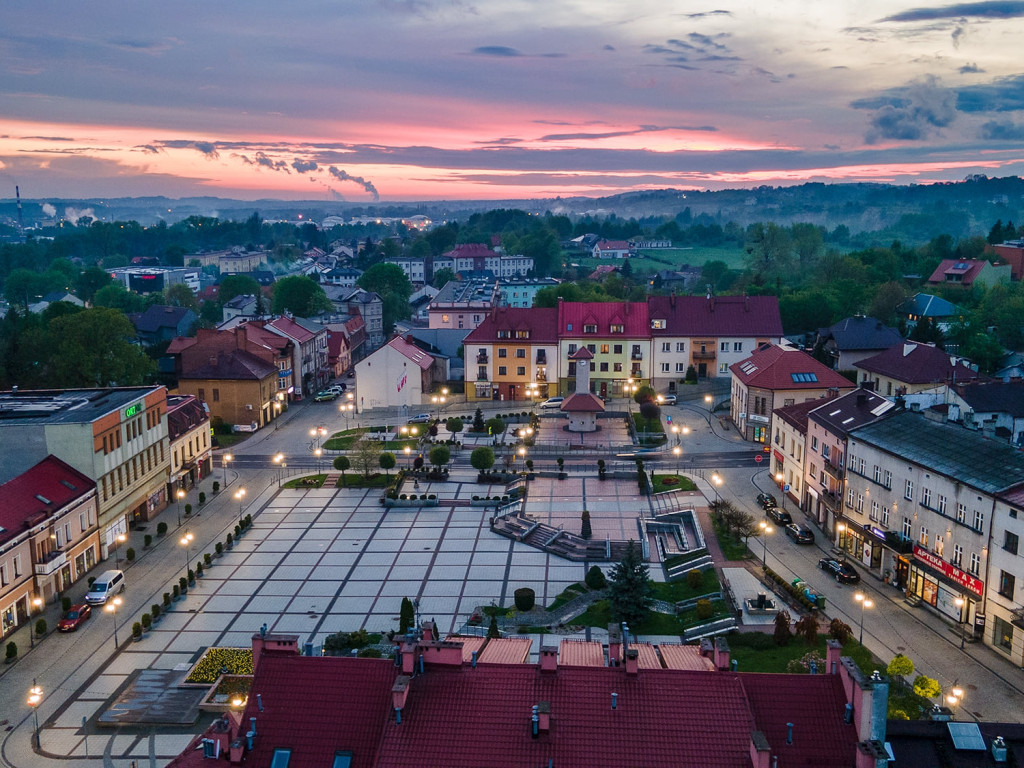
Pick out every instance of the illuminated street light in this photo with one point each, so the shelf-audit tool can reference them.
(37, 603)
(677, 452)
(408, 457)
(279, 461)
(240, 494)
(959, 603)
(35, 698)
(111, 608)
(120, 539)
(841, 528)
(864, 603)
(779, 479)
(716, 481)
(181, 495)
(186, 542)
(765, 530)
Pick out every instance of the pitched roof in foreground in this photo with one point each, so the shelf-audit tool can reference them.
(779, 368)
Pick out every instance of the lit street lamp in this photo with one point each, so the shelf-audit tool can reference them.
(37, 603)
(841, 528)
(864, 603)
(181, 495)
(119, 539)
(186, 541)
(111, 608)
(35, 698)
(765, 530)
(716, 481)
(408, 457)
(278, 460)
(778, 479)
(677, 452)
(277, 414)
(240, 494)
(318, 453)
(955, 696)
(522, 454)
(224, 463)
(959, 603)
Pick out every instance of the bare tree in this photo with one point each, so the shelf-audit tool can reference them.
(366, 455)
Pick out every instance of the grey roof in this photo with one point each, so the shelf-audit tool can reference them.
(994, 397)
(852, 410)
(465, 290)
(69, 406)
(988, 465)
(861, 332)
(162, 316)
(926, 305)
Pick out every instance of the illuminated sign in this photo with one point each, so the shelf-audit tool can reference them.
(133, 410)
(951, 572)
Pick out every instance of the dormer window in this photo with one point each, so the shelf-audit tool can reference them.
(617, 328)
(522, 334)
(590, 328)
(657, 325)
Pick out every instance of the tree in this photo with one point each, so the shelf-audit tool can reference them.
(442, 276)
(595, 578)
(492, 628)
(94, 348)
(478, 421)
(341, 463)
(629, 588)
(926, 687)
(367, 455)
(406, 616)
(180, 295)
(644, 394)
(888, 296)
(495, 426)
(482, 458)
(901, 666)
(586, 531)
(301, 296)
(525, 599)
(650, 410)
(454, 425)
(116, 296)
(89, 281)
(807, 627)
(440, 455)
(782, 634)
(392, 285)
(387, 462)
(236, 285)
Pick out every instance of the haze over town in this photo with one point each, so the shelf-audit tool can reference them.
(423, 99)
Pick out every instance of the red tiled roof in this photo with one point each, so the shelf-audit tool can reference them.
(612, 245)
(647, 657)
(685, 657)
(633, 315)
(796, 414)
(179, 343)
(581, 653)
(743, 316)
(541, 322)
(469, 250)
(916, 363)
(967, 269)
(776, 368)
(582, 403)
(232, 364)
(416, 355)
(291, 329)
(506, 650)
(469, 644)
(45, 488)
(257, 333)
(582, 354)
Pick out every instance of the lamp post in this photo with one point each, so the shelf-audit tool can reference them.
(35, 698)
(277, 414)
(716, 481)
(708, 400)
(778, 479)
(955, 696)
(111, 608)
(119, 539)
(240, 494)
(318, 453)
(522, 455)
(278, 460)
(765, 530)
(677, 452)
(864, 603)
(224, 463)
(37, 603)
(408, 457)
(181, 495)
(630, 389)
(186, 541)
(959, 603)
(841, 528)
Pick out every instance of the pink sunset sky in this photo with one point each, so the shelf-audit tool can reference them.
(393, 100)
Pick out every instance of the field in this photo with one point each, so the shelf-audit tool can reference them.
(669, 258)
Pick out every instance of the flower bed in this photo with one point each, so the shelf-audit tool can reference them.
(237, 661)
(228, 690)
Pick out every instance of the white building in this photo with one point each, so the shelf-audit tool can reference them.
(398, 374)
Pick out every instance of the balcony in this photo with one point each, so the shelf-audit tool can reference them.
(636, 355)
(831, 500)
(702, 355)
(481, 359)
(51, 563)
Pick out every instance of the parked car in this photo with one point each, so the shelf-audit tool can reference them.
(840, 570)
(765, 500)
(74, 617)
(421, 418)
(337, 389)
(667, 399)
(553, 402)
(325, 395)
(801, 534)
(780, 516)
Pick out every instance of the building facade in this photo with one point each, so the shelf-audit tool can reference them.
(310, 371)
(512, 355)
(616, 333)
(399, 374)
(188, 427)
(462, 304)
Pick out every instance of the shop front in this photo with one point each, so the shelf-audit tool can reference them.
(885, 553)
(940, 584)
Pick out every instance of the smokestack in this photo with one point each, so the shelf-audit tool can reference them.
(534, 723)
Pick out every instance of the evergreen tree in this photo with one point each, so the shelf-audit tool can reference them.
(629, 588)
(585, 530)
(478, 421)
(406, 616)
(492, 630)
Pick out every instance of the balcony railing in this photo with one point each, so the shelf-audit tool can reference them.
(481, 358)
(51, 563)
(704, 355)
(636, 355)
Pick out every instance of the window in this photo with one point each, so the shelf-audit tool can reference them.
(826, 450)
(849, 493)
(592, 348)
(926, 497)
(281, 758)
(737, 346)
(887, 480)
(975, 566)
(604, 349)
(941, 507)
(874, 511)
(958, 555)
(906, 527)
(589, 328)
(521, 371)
(216, 395)
(680, 346)
(446, 318)
(922, 539)
(680, 367)
(657, 324)
(521, 353)
(1010, 542)
(572, 349)
(3, 575)
(860, 503)
(666, 346)
(1006, 583)
(502, 370)
(939, 546)
(17, 566)
(885, 516)
(568, 326)
(1002, 634)
(617, 367)
(616, 328)
(961, 513)
(342, 760)
(814, 444)
(723, 367)
(604, 367)
(908, 491)
(617, 349)
(979, 521)
(502, 352)
(724, 346)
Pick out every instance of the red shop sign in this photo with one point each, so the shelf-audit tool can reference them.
(954, 574)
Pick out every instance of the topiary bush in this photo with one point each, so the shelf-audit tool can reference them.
(161, 529)
(41, 627)
(137, 630)
(147, 621)
(65, 604)
(154, 611)
(129, 554)
(188, 510)
(202, 498)
(207, 559)
(177, 591)
(167, 599)
(595, 578)
(199, 569)
(704, 610)
(192, 576)
(12, 651)
(219, 549)
(216, 486)
(694, 578)
(147, 541)
(183, 584)
(525, 599)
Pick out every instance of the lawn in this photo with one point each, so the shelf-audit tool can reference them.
(647, 427)
(672, 483)
(569, 593)
(343, 441)
(676, 591)
(356, 480)
(757, 652)
(732, 546)
(309, 481)
(231, 439)
(599, 615)
(669, 258)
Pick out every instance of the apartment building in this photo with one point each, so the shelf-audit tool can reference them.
(512, 355)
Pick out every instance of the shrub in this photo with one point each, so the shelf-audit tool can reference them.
(154, 611)
(216, 486)
(247, 520)
(129, 554)
(807, 627)
(423, 496)
(12, 651)
(492, 628)
(229, 541)
(481, 459)
(219, 549)
(900, 666)
(691, 375)
(147, 541)
(370, 653)
(525, 599)
(183, 584)
(136, 630)
(147, 621)
(167, 599)
(432, 496)
(207, 559)
(529, 465)
(704, 609)
(202, 498)
(188, 510)
(41, 627)
(495, 426)
(161, 529)
(177, 591)
(782, 634)
(694, 578)
(478, 421)
(926, 687)
(199, 569)
(454, 425)
(440, 455)
(191, 576)
(238, 531)
(841, 631)
(65, 604)
(586, 530)
(595, 578)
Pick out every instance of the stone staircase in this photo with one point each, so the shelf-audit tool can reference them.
(556, 541)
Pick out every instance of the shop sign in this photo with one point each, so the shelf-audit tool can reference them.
(779, 457)
(951, 572)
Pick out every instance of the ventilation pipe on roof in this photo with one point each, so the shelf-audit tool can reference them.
(535, 722)
(473, 661)
(259, 701)
(848, 714)
(252, 725)
(615, 701)
(263, 630)
(789, 733)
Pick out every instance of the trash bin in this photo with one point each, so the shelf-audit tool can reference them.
(821, 602)
(797, 582)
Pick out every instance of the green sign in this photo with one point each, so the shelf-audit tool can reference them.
(132, 410)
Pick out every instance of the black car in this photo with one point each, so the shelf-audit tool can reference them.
(841, 570)
(801, 534)
(766, 500)
(780, 516)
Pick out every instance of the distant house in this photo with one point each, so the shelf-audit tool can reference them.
(967, 273)
(344, 276)
(602, 271)
(994, 407)
(162, 323)
(1012, 252)
(943, 314)
(853, 339)
(611, 249)
(911, 367)
(52, 298)
(682, 279)
(237, 387)
(244, 305)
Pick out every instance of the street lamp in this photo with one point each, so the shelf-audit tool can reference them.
(841, 528)
(35, 698)
(522, 454)
(224, 463)
(37, 603)
(186, 541)
(181, 495)
(408, 457)
(707, 401)
(778, 479)
(864, 603)
(120, 539)
(318, 453)
(955, 696)
(240, 494)
(111, 608)
(959, 603)
(277, 460)
(716, 481)
(765, 530)
(677, 452)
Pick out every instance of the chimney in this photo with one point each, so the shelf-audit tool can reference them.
(544, 712)
(746, 303)
(237, 751)
(614, 645)
(834, 650)
(408, 658)
(871, 754)
(722, 654)
(400, 692)
(869, 698)
(672, 299)
(760, 752)
(549, 658)
(429, 631)
(632, 661)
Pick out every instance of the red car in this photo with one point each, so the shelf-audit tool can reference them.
(74, 618)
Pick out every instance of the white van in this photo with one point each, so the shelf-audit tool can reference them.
(107, 585)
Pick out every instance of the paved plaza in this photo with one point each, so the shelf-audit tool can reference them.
(614, 505)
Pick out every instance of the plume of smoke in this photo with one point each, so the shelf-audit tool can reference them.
(49, 211)
(341, 175)
(303, 166)
(73, 214)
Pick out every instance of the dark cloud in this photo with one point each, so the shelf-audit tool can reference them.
(207, 148)
(502, 142)
(148, 149)
(1002, 131)
(608, 48)
(341, 175)
(496, 50)
(303, 166)
(617, 134)
(957, 34)
(48, 138)
(970, 69)
(1004, 94)
(708, 41)
(771, 76)
(275, 165)
(912, 113)
(990, 9)
(706, 14)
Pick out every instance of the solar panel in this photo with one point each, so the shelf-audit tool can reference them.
(966, 736)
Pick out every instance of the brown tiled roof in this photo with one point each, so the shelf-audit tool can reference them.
(777, 368)
(233, 364)
(916, 363)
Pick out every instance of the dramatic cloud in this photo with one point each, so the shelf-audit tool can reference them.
(992, 9)
(344, 176)
(304, 166)
(1002, 131)
(970, 69)
(913, 113)
(207, 148)
(1005, 94)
